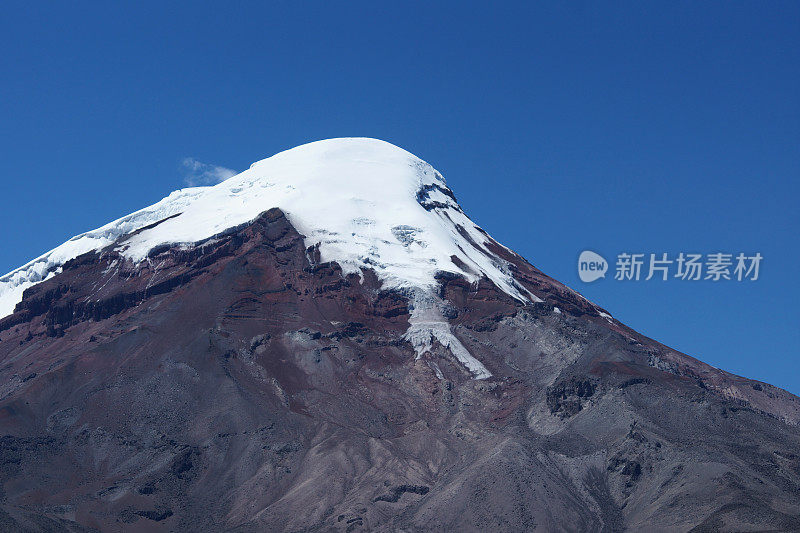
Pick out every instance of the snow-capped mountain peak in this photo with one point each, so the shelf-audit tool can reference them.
(365, 203)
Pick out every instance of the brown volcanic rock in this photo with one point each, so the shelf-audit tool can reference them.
(241, 385)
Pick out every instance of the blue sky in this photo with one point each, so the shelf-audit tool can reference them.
(639, 127)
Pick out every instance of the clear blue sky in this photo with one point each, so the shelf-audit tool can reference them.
(652, 127)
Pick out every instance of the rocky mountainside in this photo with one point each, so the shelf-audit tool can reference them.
(326, 342)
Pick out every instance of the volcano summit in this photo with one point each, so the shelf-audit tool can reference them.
(326, 342)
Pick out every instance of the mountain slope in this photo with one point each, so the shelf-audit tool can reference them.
(355, 354)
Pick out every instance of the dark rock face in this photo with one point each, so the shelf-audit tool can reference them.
(566, 399)
(242, 385)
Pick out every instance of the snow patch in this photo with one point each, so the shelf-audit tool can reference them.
(436, 370)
